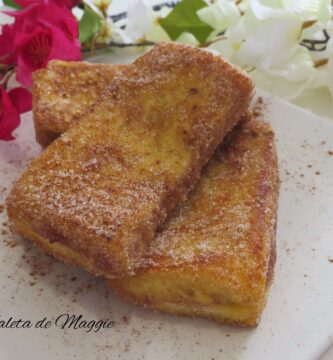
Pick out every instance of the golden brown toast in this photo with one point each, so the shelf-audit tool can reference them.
(63, 91)
(97, 194)
(214, 258)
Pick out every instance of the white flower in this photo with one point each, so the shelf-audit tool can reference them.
(307, 9)
(142, 22)
(320, 10)
(265, 37)
(226, 49)
(102, 3)
(106, 32)
(265, 42)
(99, 6)
(187, 38)
(324, 72)
(220, 14)
(274, 42)
(77, 12)
(290, 80)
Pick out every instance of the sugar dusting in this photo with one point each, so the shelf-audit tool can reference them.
(231, 215)
(63, 91)
(108, 182)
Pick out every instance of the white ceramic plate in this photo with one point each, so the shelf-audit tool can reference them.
(298, 320)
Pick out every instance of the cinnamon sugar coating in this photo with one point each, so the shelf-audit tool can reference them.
(97, 194)
(63, 91)
(215, 255)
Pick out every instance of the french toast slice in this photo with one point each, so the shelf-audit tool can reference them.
(97, 194)
(63, 91)
(214, 257)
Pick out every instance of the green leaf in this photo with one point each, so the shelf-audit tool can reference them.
(12, 4)
(184, 18)
(89, 24)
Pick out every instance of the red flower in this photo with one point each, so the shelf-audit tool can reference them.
(66, 3)
(12, 104)
(41, 32)
(6, 45)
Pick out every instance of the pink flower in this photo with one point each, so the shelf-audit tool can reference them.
(41, 32)
(66, 3)
(12, 104)
(6, 45)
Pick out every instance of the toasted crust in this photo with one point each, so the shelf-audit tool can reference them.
(63, 91)
(99, 192)
(215, 256)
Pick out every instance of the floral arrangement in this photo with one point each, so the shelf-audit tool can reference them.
(285, 45)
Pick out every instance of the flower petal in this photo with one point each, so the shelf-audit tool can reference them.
(24, 72)
(279, 86)
(142, 22)
(220, 15)
(310, 9)
(187, 38)
(262, 12)
(298, 68)
(21, 99)
(265, 51)
(140, 17)
(7, 36)
(9, 117)
(63, 48)
(42, 31)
